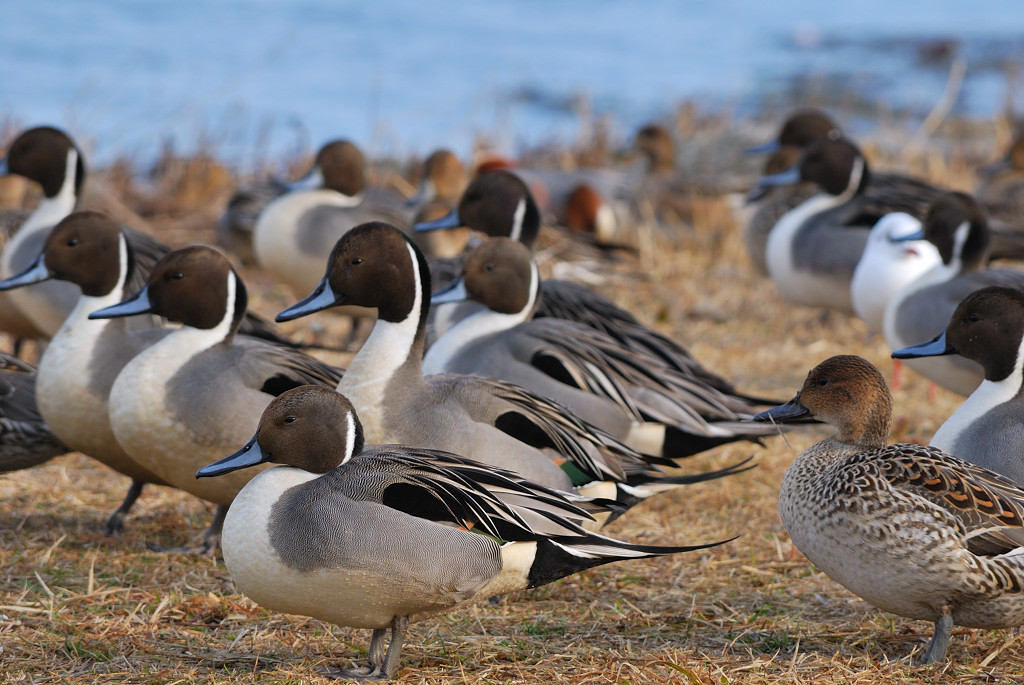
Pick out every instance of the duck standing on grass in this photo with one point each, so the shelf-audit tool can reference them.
(906, 527)
(381, 536)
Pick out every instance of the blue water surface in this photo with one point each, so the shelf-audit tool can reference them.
(262, 77)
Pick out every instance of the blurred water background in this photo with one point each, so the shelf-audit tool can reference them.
(265, 77)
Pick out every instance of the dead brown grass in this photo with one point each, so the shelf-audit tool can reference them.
(76, 607)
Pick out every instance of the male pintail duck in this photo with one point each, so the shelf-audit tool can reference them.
(202, 387)
(812, 250)
(295, 231)
(49, 157)
(889, 263)
(25, 439)
(771, 203)
(499, 204)
(93, 254)
(105, 262)
(800, 128)
(988, 428)
(634, 396)
(908, 528)
(957, 227)
(323, 533)
(376, 265)
(878, 194)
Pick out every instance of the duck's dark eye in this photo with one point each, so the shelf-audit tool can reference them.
(72, 242)
(357, 260)
(289, 419)
(821, 382)
(973, 317)
(489, 267)
(177, 275)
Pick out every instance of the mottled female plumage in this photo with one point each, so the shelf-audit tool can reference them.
(906, 527)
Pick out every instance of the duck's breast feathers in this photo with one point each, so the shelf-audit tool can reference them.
(987, 507)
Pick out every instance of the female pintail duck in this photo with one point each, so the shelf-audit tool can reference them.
(376, 265)
(636, 397)
(443, 179)
(889, 263)
(499, 204)
(322, 534)
(49, 157)
(988, 428)
(908, 528)
(25, 439)
(295, 231)
(957, 227)
(202, 387)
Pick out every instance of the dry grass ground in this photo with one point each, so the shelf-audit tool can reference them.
(76, 607)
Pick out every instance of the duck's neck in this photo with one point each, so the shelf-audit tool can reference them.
(52, 209)
(394, 348)
(188, 341)
(49, 212)
(476, 327)
(991, 393)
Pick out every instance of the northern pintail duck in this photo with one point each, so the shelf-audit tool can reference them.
(634, 396)
(878, 193)
(798, 130)
(443, 178)
(663, 193)
(771, 203)
(381, 536)
(499, 204)
(190, 395)
(295, 231)
(376, 265)
(908, 528)
(958, 228)
(90, 252)
(988, 428)
(812, 250)
(49, 157)
(25, 439)
(889, 263)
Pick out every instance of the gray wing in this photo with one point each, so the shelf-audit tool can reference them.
(273, 369)
(25, 439)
